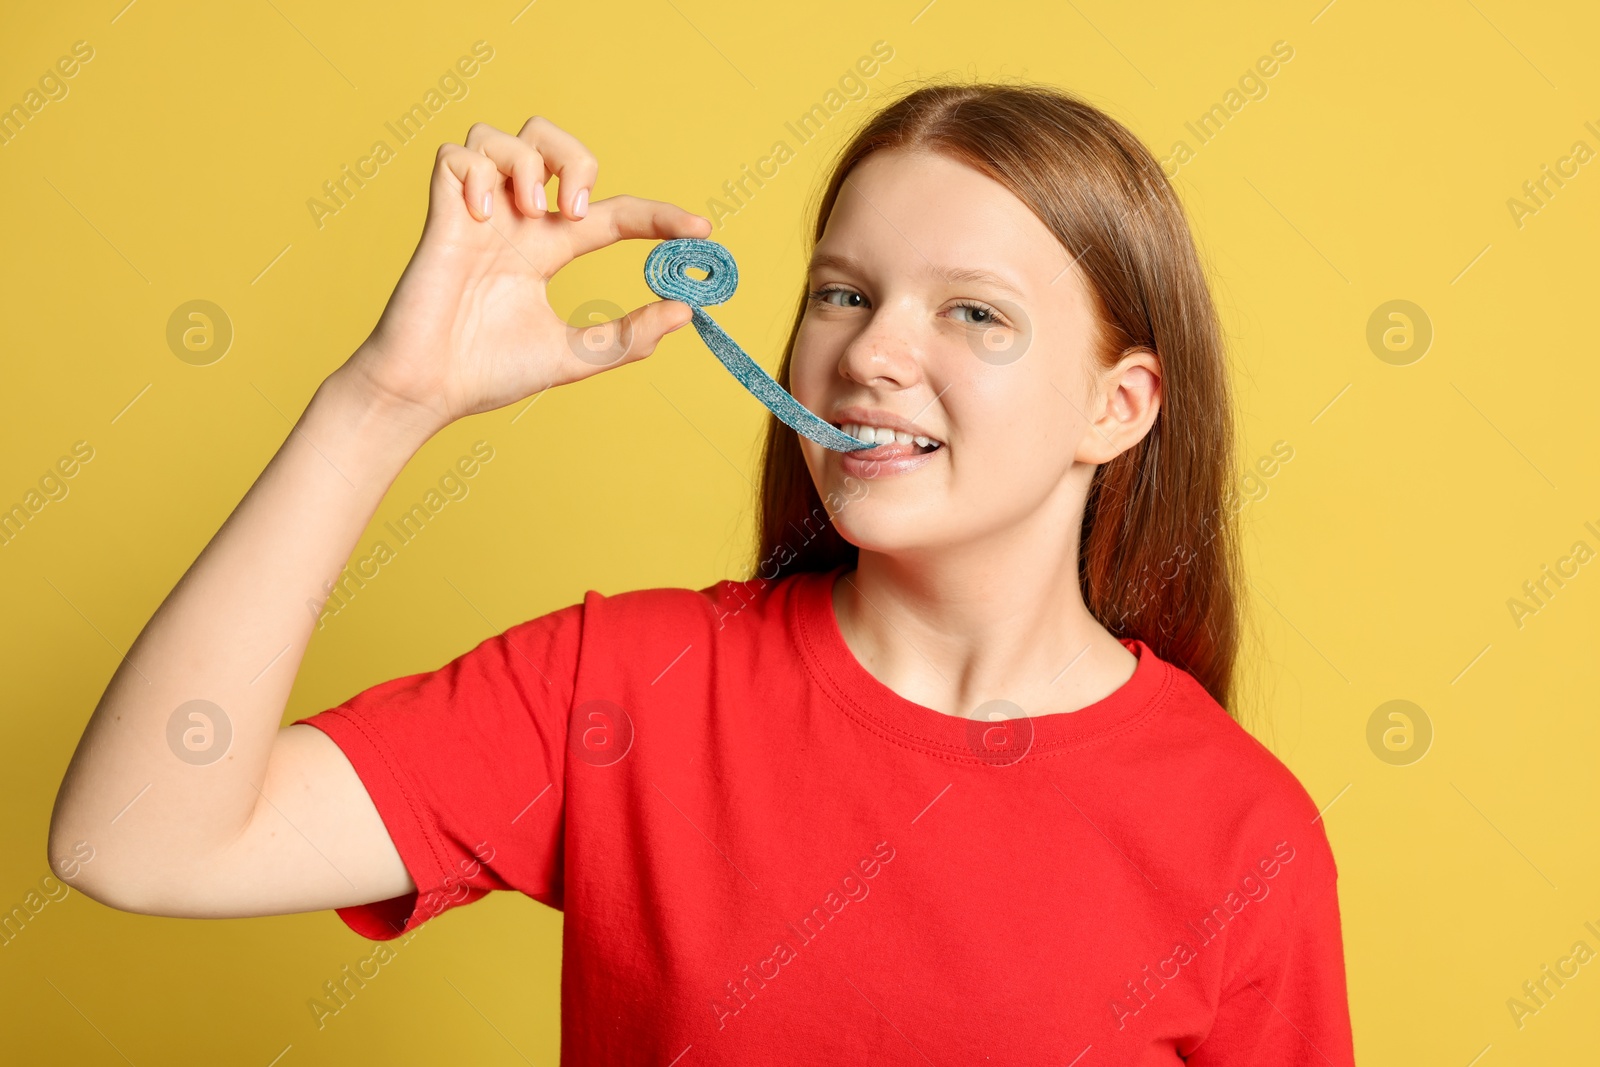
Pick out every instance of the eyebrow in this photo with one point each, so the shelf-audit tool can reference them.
(949, 274)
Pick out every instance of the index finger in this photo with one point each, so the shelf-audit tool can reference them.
(623, 217)
(565, 156)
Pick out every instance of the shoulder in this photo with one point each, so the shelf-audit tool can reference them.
(671, 612)
(1245, 800)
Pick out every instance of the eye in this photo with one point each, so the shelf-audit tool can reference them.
(982, 314)
(823, 295)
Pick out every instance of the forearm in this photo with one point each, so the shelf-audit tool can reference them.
(151, 797)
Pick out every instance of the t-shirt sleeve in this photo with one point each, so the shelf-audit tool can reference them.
(466, 766)
(1288, 1005)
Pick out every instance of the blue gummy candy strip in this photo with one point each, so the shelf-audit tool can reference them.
(665, 272)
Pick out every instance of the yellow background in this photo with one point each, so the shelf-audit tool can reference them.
(1419, 499)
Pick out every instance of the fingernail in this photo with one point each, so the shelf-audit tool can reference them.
(580, 205)
(484, 205)
(538, 198)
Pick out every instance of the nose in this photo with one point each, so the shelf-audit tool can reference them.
(884, 353)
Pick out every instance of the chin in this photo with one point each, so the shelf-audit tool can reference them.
(886, 532)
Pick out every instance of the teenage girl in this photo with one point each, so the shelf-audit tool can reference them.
(947, 779)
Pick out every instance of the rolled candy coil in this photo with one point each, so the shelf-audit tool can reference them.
(665, 271)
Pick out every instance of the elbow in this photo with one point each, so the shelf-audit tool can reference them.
(132, 881)
(68, 855)
(72, 857)
(103, 887)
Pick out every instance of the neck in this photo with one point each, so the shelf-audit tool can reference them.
(956, 627)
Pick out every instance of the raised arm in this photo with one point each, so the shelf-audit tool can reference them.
(185, 796)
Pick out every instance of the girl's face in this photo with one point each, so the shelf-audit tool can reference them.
(943, 306)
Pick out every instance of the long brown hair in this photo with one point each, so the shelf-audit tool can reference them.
(1158, 550)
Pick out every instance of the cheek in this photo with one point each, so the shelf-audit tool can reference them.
(808, 369)
(1017, 431)
(1010, 407)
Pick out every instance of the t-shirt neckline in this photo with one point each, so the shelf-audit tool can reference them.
(885, 712)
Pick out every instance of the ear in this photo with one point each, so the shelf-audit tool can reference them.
(1125, 406)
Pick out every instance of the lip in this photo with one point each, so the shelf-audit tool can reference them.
(888, 458)
(885, 460)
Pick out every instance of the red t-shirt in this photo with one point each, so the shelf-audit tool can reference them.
(765, 855)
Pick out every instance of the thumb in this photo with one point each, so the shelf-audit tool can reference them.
(646, 326)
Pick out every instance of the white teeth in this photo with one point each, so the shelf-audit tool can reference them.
(883, 435)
